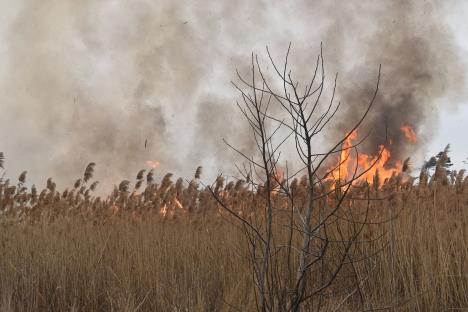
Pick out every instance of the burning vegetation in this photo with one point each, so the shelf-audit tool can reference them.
(328, 235)
(376, 169)
(348, 228)
(148, 219)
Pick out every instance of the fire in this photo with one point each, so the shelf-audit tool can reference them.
(154, 164)
(409, 133)
(163, 212)
(277, 179)
(341, 171)
(365, 162)
(368, 165)
(178, 204)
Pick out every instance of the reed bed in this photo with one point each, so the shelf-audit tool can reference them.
(169, 246)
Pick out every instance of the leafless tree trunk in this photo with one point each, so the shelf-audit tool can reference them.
(298, 119)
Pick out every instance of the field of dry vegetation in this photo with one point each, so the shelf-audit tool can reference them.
(169, 246)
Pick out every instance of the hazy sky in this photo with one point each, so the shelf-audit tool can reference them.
(91, 80)
(453, 124)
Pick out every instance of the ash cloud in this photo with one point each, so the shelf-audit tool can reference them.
(421, 74)
(92, 80)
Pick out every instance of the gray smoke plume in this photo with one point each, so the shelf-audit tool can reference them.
(420, 66)
(123, 82)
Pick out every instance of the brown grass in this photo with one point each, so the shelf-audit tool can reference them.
(70, 251)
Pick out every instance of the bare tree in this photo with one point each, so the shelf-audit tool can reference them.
(304, 236)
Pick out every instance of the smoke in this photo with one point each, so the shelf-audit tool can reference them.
(421, 73)
(93, 80)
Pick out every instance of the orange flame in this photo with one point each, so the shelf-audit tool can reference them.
(178, 204)
(163, 212)
(278, 174)
(154, 164)
(277, 179)
(341, 170)
(374, 164)
(409, 133)
(367, 165)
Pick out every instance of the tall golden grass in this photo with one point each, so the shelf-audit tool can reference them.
(169, 247)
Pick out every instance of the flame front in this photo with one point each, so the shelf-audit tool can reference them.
(163, 211)
(409, 133)
(371, 165)
(341, 168)
(367, 165)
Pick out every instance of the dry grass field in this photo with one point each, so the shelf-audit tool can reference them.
(170, 247)
(308, 123)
